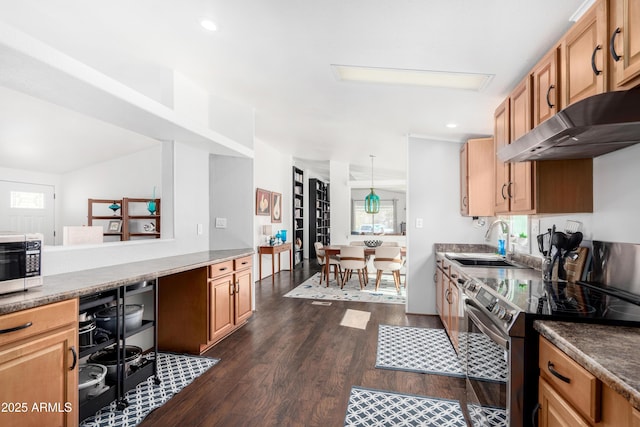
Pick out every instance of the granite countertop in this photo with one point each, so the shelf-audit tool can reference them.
(65, 286)
(610, 353)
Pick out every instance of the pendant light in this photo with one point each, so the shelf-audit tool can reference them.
(372, 201)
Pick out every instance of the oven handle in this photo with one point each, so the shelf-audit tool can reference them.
(486, 327)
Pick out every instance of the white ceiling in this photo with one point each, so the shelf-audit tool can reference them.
(275, 56)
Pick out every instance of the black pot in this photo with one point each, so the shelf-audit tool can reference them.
(86, 330)
(108, 358)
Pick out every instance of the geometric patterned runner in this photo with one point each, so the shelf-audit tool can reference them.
(176, 372)
(486, 416)
(429, 351)
(413, 349)
(382, 408)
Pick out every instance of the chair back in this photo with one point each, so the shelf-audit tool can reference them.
(388, 258)
(319, 252)
(352, 257)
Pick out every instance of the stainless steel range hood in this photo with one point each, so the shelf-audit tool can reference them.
(589, 128)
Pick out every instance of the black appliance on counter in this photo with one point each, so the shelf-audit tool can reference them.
(498, 324)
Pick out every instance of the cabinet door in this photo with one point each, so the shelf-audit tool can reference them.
(464, 181)
(501, 139)
(480, 176)
(625, 33)
(584, 61)
(555, 411)
(520, 188)
(221, 313)
(35, 375)
(545, 87)
(439, 291)
(453, 314)
(243, 296)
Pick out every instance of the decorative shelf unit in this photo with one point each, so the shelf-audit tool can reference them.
(319, 215)
(98, 214)
(298, 215)
(136, 216)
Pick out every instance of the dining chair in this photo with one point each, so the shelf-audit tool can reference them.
(388, 258)
(352, 258)
(326, 269)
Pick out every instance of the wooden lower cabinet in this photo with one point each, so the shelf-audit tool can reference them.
(198, 308)
(447, 299)
(583, 401)
(39, 366)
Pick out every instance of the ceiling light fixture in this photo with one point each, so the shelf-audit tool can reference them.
(452, 125)
(372, 201)
(442, 79)
(208, 25)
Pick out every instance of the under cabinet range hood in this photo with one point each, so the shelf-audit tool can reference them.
(589, 128)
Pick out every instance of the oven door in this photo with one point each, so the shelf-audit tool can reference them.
(487, 368)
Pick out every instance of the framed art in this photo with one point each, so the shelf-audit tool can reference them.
(276, 207)
(115, 225)
(263, 202)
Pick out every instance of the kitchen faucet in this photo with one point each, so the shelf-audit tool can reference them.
(505, 230)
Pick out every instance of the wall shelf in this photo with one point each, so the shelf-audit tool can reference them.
(298, 215)
(319, 215)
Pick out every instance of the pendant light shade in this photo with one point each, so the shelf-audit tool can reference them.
(372, 201)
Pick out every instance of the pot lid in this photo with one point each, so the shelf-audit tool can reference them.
(109, 357)
(91, 374)
(109, 312)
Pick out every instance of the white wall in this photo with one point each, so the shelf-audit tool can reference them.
(433, 195)
(273, 172)
(340, 201)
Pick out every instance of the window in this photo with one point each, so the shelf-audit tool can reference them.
(519, 230)
(27, 200)
(384, 222)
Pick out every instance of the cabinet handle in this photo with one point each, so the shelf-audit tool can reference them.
(509, 190)
(502, 191)
(534, 415)
(435, 277)
(454, 276)
(245, 262)
(612, 45)
(232, 289)
(75, 358)
(548, 93)
(593, 61)
(222, 269)
(17, 328)
(557, 374)
(237, 288)
(464, 201)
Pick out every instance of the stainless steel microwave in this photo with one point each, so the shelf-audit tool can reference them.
(20, 261)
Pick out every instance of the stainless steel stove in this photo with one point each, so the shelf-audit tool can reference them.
(498, 329)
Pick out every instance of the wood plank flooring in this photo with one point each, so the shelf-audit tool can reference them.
(294, 365)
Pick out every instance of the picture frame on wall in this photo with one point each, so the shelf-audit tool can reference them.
(115, 226)
(276, 207)
(263, 202)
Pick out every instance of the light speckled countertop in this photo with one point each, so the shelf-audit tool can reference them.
(60, 287)
(610, 353)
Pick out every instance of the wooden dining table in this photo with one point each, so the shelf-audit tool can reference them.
(334, 250)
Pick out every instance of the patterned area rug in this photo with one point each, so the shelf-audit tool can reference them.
(383, 408)
(486, 416)
(175, 371)
(413, 349)
(386, 293)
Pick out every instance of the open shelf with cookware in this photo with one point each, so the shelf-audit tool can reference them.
(110, 366)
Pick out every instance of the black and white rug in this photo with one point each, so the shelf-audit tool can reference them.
(429, 351)
(413, 349)
(176, 372)
(487, 416)
(369, 407)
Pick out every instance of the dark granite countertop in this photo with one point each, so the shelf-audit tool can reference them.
(610, 353)
(86, 282)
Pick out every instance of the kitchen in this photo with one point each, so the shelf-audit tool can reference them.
(613, 184)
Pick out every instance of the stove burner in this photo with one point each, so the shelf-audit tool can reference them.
(565, 306)
(628, 310)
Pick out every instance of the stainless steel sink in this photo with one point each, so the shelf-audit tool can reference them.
(483, 260)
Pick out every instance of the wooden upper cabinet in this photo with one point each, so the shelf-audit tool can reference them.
(624, 43)
(464, 181)
(545, 88)
(584, 56)
(520, 188)
(476, 177)
(501, 139)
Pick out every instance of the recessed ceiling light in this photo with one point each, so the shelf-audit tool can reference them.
(208, 25)
(443, 79)
(452, 125)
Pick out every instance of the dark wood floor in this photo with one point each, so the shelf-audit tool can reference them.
(294, 365)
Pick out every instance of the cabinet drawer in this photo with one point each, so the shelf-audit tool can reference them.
(242, 263)
(33, 321)
(220, 269)
(571, 380)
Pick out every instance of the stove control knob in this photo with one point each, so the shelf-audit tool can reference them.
(507, 317)
(496, 309)
(471, 285)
